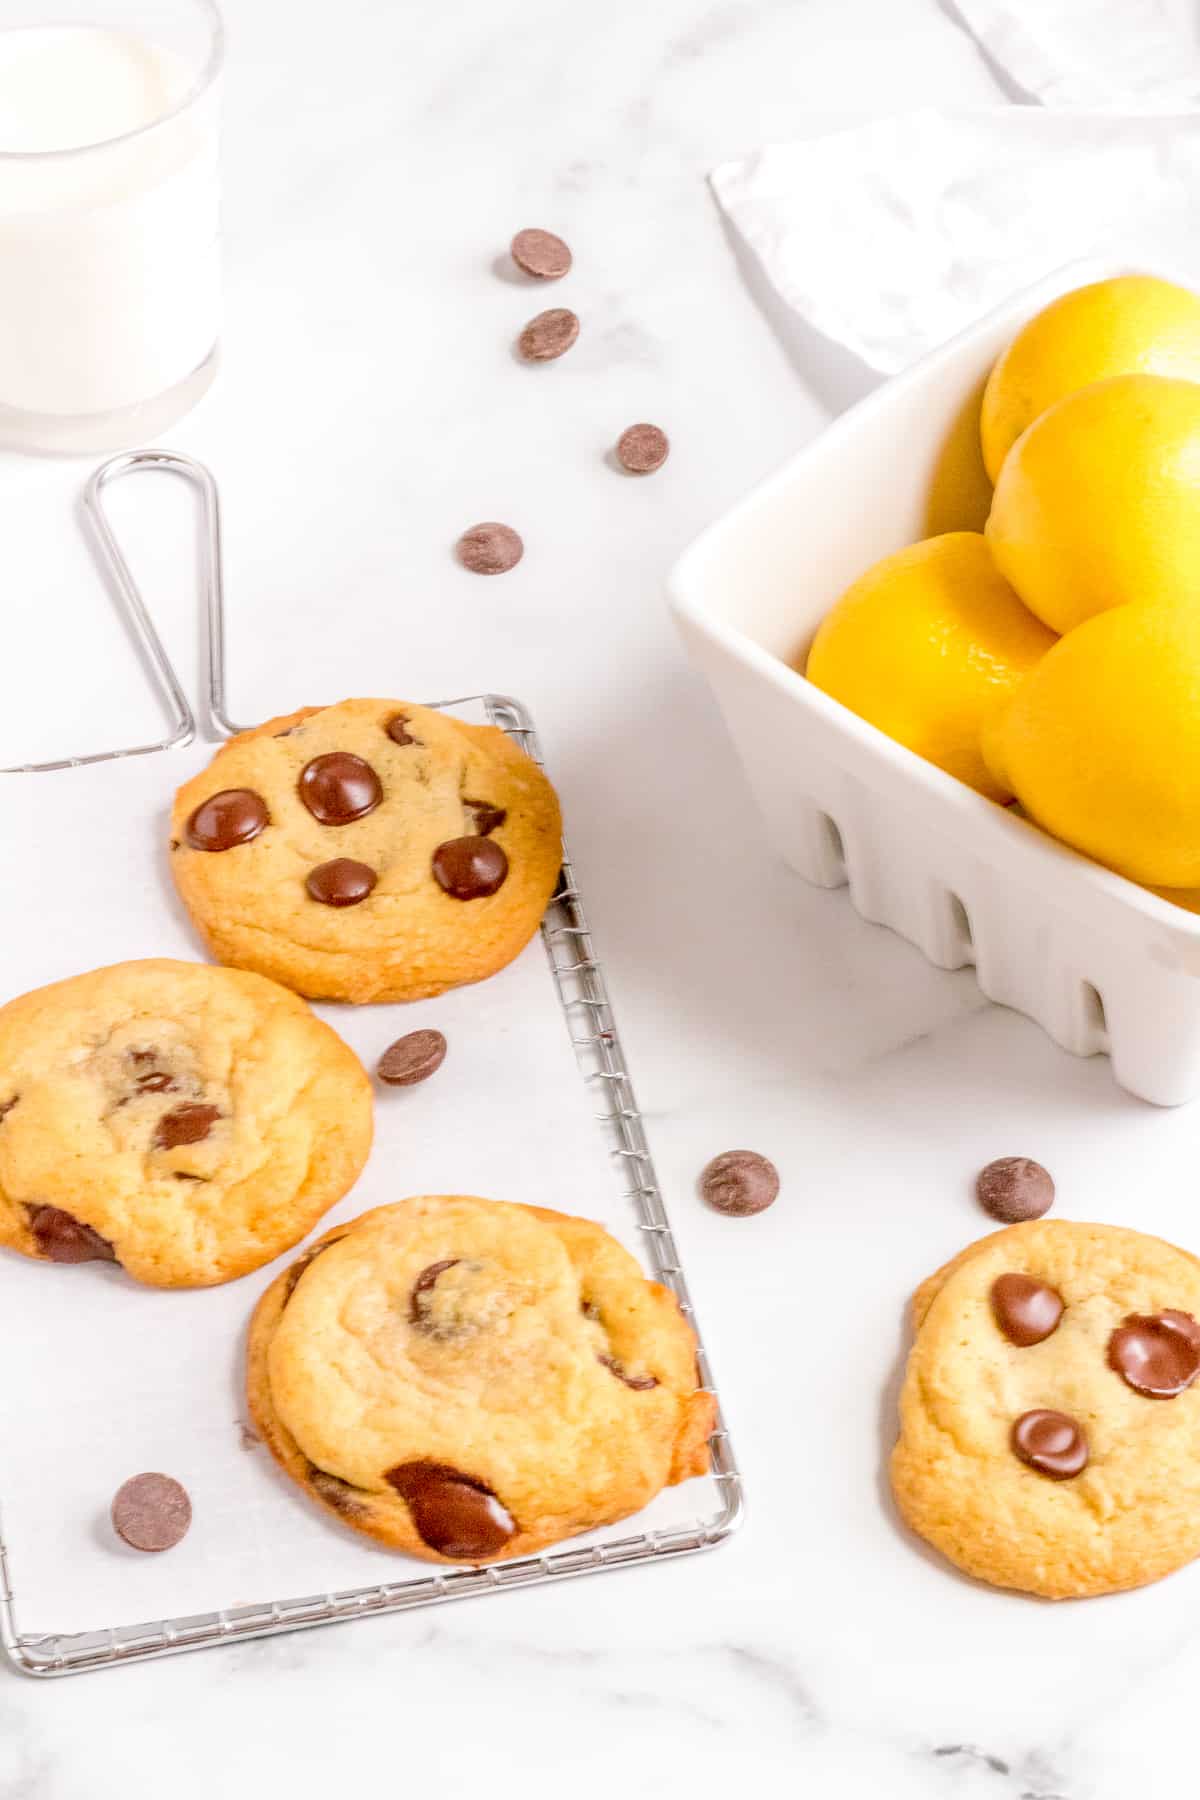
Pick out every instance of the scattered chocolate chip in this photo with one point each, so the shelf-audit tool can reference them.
(1156, 1354)
(340, 1494)
(1053, 1443)
(454, 1515)
(225, 820)
(490, 548)
(397, 730)
(418, 1309)
(151, 1512)
(485, 817)
(469, 868)
(549, 335)
(642, 449)
(158, 1082)
(1014, 1188)
(186, 1124)
(541, 254)
(65, 1239)
(1026, 1310)
(339, 788)
(412, 1058)
(740, 1182)
(641, 1382)
(341, 882)
(6, 1106)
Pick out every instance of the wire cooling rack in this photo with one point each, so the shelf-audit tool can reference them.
(579, 982)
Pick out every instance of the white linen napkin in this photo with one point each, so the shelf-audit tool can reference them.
(889, 237)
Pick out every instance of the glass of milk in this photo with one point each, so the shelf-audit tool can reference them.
(109, 253)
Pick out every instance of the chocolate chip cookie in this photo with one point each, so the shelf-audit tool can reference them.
(367, 851)
(1050, 1416)
(184, 1121)
(467, 1379)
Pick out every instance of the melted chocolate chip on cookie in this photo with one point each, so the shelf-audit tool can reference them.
(641, 1382)
(342, 882)
(418, 1305)
(469, 868)
(186, 1124)
(6, 1107)
(157, 1082)
(65, 1239)
(485, 817)
(1051, 1442)
(298, 1267)
(340, 1494)
(339, 788)
(397, 730)
(1156, 1354)
(225, 820)
(455, 1515)
(1026, 1310)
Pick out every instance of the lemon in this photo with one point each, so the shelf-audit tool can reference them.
(1101, 743)
(924, 645)
(1132, 325)
(1099, 502)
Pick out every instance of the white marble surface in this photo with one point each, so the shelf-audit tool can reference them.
(379, 157)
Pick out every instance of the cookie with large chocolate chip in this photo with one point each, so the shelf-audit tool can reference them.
(184, 1121)
(468, 1379)
(1050, 1415)
(371, 850)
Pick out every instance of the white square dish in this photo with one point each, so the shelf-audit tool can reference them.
(1099, 963)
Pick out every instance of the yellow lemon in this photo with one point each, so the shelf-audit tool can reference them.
(1099, 502)
(924, 645)
(1101, 743)
(1132, 325)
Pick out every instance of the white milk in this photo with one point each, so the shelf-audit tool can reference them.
(109, 271)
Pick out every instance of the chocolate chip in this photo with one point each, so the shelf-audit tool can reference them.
(490, 548)
(740, 1182)
(397, 730)
(541, 254)
(340, 1494)
(1156, 1354)
(469, 868)
(298, 1267)
(1014, 1188)
(225, 820)
(418, 1308)
(159, 1082)
(549, 335)
(151, 1512)
(186, 1124)
(642, 449)
(341, 882)
(412, 1058)
(641, 1382)
(1026, 1310)
(339, 788)
(1053, 1443)
(65, 1239)
(454, 1515)
(485, 817)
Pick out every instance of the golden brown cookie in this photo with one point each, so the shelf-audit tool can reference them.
(187, 1122)
(1050, 1415)
(469, 1380)
(367, 851)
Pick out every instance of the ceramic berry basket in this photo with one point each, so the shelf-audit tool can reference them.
(1101, 964)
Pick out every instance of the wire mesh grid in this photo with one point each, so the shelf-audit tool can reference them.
(579, 981)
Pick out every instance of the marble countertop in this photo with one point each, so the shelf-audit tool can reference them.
(369, 408)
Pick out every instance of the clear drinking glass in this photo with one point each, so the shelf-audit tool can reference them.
(109, 189)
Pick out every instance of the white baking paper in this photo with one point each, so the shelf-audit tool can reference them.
(104, 1378)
